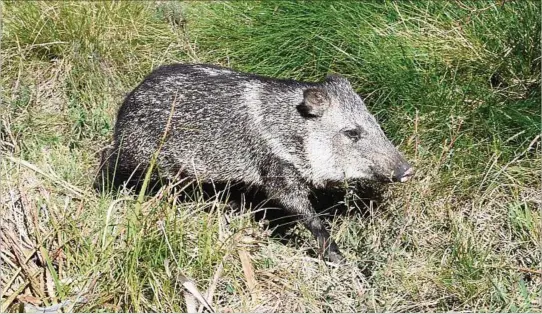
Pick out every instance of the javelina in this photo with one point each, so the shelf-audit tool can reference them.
(285, 137)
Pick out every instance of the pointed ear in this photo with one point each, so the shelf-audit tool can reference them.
(315, 102)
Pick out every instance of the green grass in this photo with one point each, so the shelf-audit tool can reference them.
(455, 84)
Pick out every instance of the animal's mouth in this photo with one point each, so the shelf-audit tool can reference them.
(407, 175)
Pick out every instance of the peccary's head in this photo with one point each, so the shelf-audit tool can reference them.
(344, 141)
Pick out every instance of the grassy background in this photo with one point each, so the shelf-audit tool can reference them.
(455, 84)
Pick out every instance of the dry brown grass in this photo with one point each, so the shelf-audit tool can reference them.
(464, 235)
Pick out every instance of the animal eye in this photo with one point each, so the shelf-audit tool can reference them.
(353, 134)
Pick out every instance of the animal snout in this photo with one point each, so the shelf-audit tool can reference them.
(403, 172)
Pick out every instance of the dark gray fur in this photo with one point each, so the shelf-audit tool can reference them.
(285, 137)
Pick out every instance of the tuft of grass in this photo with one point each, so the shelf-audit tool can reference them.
(454, 84)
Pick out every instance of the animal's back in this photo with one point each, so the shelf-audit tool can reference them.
(217, 119)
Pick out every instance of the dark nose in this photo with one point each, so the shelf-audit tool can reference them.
(403, 173)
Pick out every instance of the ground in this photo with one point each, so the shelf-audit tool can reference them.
(455, 85)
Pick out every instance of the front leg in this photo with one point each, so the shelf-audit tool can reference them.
(294, 198)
